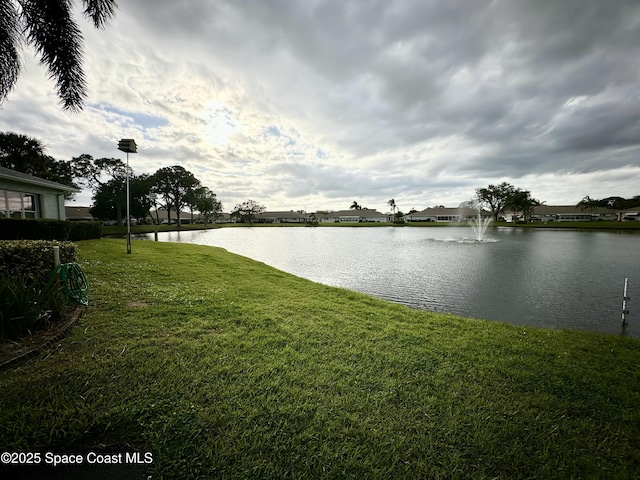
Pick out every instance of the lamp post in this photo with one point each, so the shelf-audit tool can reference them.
(128, 145)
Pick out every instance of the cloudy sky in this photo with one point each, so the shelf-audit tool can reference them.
(314, 103)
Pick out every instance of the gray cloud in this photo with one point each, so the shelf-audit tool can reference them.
(417, 98)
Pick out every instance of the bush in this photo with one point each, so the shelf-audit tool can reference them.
(26, 306)
(48, 229)
(32, 259)
(84, 231)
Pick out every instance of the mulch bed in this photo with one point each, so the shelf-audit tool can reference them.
(13, 350)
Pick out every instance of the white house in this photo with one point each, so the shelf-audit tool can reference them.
(27, 196)
(629, 215)
(281, 217)
(74, 213)
(353, 216)
(445, 214)
(571, 213)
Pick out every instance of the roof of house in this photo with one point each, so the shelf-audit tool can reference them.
(162, 214)
(72, 212)
(450, 212)
(570, 210)
(16, 176)
(289, 214)
(360, 213)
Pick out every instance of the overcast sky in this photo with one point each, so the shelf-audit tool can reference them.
(314, 104)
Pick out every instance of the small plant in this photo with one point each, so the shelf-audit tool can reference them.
(26, 306)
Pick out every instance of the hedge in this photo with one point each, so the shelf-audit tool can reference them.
(48, 229)
(32, 259)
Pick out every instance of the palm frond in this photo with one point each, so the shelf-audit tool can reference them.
(99, 11)
(9, 47)
(50, 28)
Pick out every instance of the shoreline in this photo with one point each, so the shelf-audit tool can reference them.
(108, 231)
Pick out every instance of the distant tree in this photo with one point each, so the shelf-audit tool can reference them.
(141, 199)
(472, 204)
(206, 202)
(356, 206)
(392, 204)
(522, 201)
(618, 203)
(174, 184)
(107, 179)
(27, 155)
(95, 172)
(110, 198)
(611, 202)
(588, 203)
(495, 197)
(190, 202)
(633, 202)
(313, 219)
(246, 211)
(48, 26)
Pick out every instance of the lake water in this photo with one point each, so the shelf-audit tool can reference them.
(539, 277)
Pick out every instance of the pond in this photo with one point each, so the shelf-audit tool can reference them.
(553, 278)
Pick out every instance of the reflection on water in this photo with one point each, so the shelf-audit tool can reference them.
(549, 278)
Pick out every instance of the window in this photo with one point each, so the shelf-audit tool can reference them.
(18, 205)
(29, 205)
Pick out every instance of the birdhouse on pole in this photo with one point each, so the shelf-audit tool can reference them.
(127, 145)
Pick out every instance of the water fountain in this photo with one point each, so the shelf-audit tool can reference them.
(479, 226)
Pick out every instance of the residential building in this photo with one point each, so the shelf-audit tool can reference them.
(445, 214)
(281, 217)
(353, 216)
(27, 196)
(629, 215)
(570, 213)
(162, 216)
(79, 214)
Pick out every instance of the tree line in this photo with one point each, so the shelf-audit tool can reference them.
(174, 188)
(506, 197)
(171, 188)
(503, 197)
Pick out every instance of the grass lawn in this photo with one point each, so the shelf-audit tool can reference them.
(223, 367)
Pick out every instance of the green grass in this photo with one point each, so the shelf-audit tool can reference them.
(223, 367)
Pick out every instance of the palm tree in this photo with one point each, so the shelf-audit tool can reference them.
(529, 208)
(49, 27)
(522, 201)
(355, 206)
(588, 203)
(392, 204)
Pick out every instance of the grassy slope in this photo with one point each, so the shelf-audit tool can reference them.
(224, 367)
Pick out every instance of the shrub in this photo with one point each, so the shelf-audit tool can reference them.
(32, 259)
(48, 229)
(26, 306)
(85, 231)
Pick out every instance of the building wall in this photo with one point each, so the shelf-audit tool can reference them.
(50, 202)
